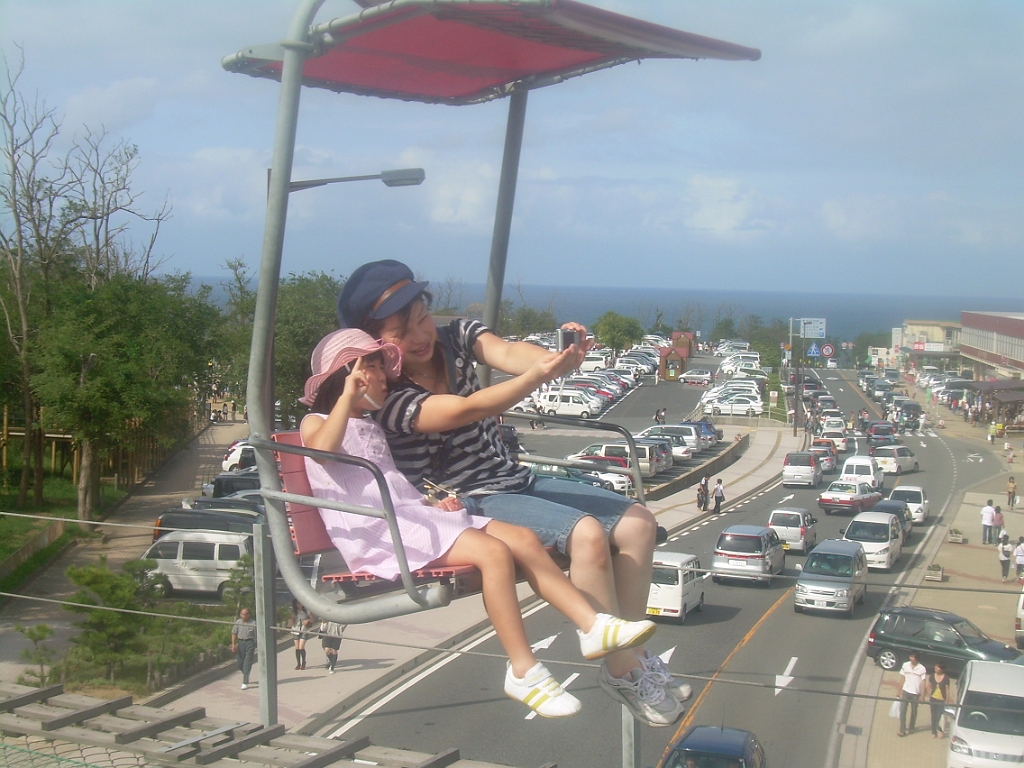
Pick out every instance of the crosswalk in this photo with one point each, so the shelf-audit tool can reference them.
(909, 432)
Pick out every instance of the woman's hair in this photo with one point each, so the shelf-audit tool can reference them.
(374, 327)
(332, 387)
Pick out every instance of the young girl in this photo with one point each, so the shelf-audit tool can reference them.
(349, 381)
(301, 624)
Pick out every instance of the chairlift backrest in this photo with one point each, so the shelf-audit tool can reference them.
(307, 528)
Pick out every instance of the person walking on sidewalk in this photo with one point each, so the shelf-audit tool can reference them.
(998, 526)
(987, 513)
(914, 675)
(1018, 558)
(719, 495)
(1005, 555)
(302, 622)
(1011, 493)
(331, 633)
(243, 643)
(702, 494)
(937, 693)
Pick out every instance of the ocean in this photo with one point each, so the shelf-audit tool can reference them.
(846, 314)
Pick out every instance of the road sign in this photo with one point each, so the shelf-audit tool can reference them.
(813, 351)
(827, 350)
(812, 327)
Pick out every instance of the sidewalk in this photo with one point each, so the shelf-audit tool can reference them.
(870, 734)
(374, 655)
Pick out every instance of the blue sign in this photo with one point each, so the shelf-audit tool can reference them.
(813, 351)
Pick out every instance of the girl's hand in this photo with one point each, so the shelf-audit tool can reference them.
(356, 382)
(450, 504)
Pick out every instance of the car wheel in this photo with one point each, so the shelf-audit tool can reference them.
(585, 415)
(682, 615)
(916, 467)
(163, 588)
(700, 604)
(899, 471)
(551, 412)
(716, 411)
(220, 590)
(233, 468)
(750, 411)
(888, 659)
(860, 600)
(797, 608)
(715, 579)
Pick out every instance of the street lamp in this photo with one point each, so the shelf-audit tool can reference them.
(401, 177)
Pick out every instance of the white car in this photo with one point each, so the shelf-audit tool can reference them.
(881, 535)
(916, 499)
(738, 405)
(697, 376)
(895, 459)
(240, 456)
(838, 439)
(680, 450)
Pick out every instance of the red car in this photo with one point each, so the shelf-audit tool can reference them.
(848, 497)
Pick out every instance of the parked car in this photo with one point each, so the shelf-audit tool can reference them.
(717, 746)
(567, 404)
(697, 376)
(750, 552)
(648, 458)
(796, 528)
(681, 451)
(935, 635)
(571, 474)
(988, 726)
(881, 535)
(198, 561)
(843, 496)
(240, 456)
(677, 585)
(916, 499)
(690, 433)
(232, 482)
(801, 468)
(738, 405)
(895, 459)
(834, 578)
(233, 520)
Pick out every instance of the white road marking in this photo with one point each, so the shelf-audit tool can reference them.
(924, 444)
(667, 655)
(972, 457)
(565, 685)
(781, 681)
(540, 645)
(787, 498)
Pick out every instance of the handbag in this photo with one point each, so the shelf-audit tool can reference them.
(894, 709)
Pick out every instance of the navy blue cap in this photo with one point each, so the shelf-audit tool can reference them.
(376, 290)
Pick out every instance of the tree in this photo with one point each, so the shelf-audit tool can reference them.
(447, 296)
(39, 653)
(240, 590)
(617, 331)
(660, 327)
(235, 338)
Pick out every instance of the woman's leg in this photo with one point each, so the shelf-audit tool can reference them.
(493, 559)
(544, 576)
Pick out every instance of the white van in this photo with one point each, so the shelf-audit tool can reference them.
(198, 561)
(988, 719)
(1018, 624)
(644, 452)
(677, 586)
(881, 535)
(862, 469)
(566, 404)
(593, 362)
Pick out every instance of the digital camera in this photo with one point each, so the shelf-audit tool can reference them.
(566, 338)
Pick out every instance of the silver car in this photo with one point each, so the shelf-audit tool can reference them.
(834, 578)
(751, 552)
(796, 528)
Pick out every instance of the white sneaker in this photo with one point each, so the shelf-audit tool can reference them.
(541, 692)
(245, 687)
(611, 634)
(657, 669)
(644, 697)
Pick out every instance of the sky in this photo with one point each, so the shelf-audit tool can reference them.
(874, 147)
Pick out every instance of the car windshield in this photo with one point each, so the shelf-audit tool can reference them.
(992, 713)
(901, 494)
(662, 575)
(829, 565)
(691, 759)
(731, 542)
(861, 530)
(842, 488)
(970, 633)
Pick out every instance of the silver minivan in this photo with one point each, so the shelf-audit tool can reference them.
(198, 561)
(752, 552)
(834, 578)
(796, 528)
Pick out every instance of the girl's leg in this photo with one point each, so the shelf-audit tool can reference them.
(494, 561)
(634, 538)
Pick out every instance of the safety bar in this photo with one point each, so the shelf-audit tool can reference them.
(574, 421)
(411, 598)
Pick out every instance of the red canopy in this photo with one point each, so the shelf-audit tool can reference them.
(458, 52)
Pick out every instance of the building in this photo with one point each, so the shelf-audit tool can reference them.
(994, 342)
(931, 342)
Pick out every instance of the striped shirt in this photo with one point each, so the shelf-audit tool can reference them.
(478, 463)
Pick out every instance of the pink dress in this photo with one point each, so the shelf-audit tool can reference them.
(365, 542)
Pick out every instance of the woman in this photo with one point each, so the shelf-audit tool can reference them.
(441, 427)
(719, 495)
(1005, 553)
(1011, 493)
(302, 623)
(937, 693)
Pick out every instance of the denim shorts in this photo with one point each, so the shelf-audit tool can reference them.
(552, 507)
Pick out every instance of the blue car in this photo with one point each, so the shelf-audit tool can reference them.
(712, 746)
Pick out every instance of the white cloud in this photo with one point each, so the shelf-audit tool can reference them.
(718, 206)
(463, 195)
(116, 106)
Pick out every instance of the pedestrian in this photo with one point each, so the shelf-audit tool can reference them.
(1005, 554)
(937, 693)
(1011, 493)
(243, 643)
(987, 512)
(702, 494)
(997, 525)
(331, 633)
(234, 411)
(302, 622)
(349, 383)
(663, 416)
(914, 675)
(719, 496)
(1018, 558)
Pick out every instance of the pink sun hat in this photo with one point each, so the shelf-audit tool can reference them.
(339, 348)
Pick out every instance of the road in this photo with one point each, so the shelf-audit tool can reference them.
(746, 633)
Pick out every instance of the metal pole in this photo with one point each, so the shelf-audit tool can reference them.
(503, 215)
(630, 739)
(266, 640)
(799, 397)
(796, 384)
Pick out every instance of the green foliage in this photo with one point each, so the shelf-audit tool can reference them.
(523, 320)
(617, 331)
(305, 314)
(240, 590)
(660, 327)
(865, 340)
(39, 654)
(724, 328)
(235, 336)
